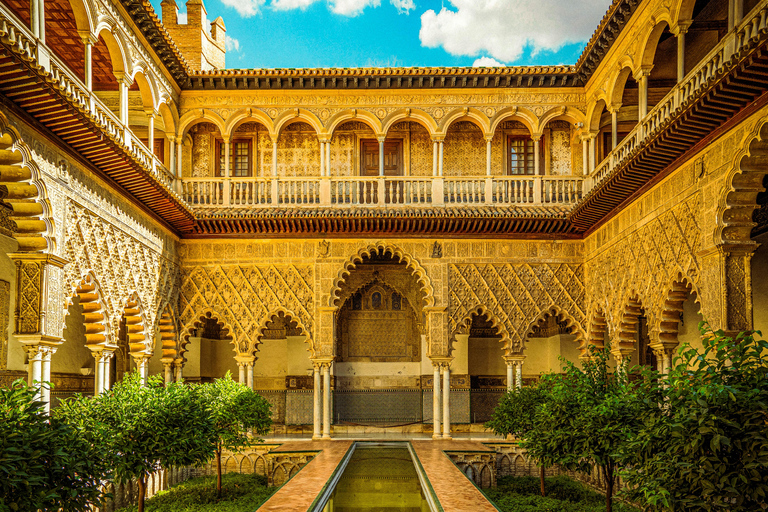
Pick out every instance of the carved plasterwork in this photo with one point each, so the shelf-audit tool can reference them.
(515, 294)
(246, 297)
(5, 304)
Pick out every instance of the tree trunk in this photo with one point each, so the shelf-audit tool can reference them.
(608, 473)
(543, 490)
(142, 491)
(218, 469)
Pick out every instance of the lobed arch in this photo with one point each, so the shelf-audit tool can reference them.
(411, 114)
(744, 181)
(463, 326)
(23, 189)
(286, 313)
(667, 322)
(244, 116)
(597, 329)
(363, 116)
(521, 114)
(470, 114)
(365, 252)
(631, 310)
(292, 116)
(135, 326)
(196, 116)
(115, 48)
(556, 311)
(168, 334)
(197, 321)
(96, 322)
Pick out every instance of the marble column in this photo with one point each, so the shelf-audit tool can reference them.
(435, 156)
(168, 372)
(316, 434)
(249, 373)
(440, 159)
(88, 58)
(142, 367)
(585, 155)
(179, 365)
(241, 372)
(614, 128)
(488, 140)
(274, 158)
(642, 81)
(519, 379)
(536, 155)
(446, 401)
(681, 31)
(322, 158)
(35, 369)
(328, 158)
(326, 400)
(510, 376)
(46, 376)
(227, 156)
(436, 434)
(381, 156)
(592, 154)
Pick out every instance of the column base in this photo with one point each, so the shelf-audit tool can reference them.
(316, 437)
(326, 437)
(447, 436)
(437, 436)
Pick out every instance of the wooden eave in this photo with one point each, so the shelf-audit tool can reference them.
(42, 99)
(699, 120)
(460, 221)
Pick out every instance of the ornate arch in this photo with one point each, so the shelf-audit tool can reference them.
(743, 182)
(597, 328)
(563, 112)
(363, 116)
(293, 116)
(95, 320)
(667, 324)
(287, 314)
(23, 189)
(631, 311)
(651, 40)
(146, 85)
(167, 330)
(619, 83)
(683, 11)
(208, 314)
(170, 115)
(410, 114)
(243, 116)
(521, 114)
(556, 311)
(200, 116)
(83, 15)
(463, 326)
(594, 114)
(135, 325)
(411, 264)
(470, 114)
(115, 47)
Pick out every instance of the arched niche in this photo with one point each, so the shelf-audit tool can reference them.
(208, 350)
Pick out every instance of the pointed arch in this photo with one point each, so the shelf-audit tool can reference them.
(227, 333)
(470, 114)
(23, 189)
(411, 114)
(293, 116)
(199, 116)
(286, 313)
(520, 114)
(360, 115)
(243, 116)
(96, 322)
(411, 263)
(463, 326)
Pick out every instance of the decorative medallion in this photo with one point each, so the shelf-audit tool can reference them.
(439, 113)
(490, 111)
(381, 113)
(325, 114)
(272, 113)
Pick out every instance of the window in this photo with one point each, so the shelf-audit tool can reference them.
(239, 158)
(521, 158)
(393, 158)
(158, 150)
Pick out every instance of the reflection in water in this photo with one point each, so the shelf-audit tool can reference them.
(378, 479)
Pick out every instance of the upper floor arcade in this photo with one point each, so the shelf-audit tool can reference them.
(550, 150)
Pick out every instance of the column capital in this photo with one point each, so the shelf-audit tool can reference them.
(644, 71)
(123, 78)
(151, 112)
(381, 138)
(536, 137)
(245, 359)
(324, 362)
(442, 362)
(438, 138)
(87, 37)
(681, 27)
(513, 360)
(488, 137)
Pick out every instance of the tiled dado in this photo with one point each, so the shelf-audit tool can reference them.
(453, 490)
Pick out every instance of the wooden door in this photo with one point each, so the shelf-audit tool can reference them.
(393, 158)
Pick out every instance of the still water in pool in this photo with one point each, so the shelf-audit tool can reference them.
(378, 479)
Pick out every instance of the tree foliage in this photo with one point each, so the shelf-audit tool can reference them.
(45, 464)
(145, 427)
(234, 411)
(703, 443)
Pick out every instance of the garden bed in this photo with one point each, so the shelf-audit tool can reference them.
(522, 494)
(240, 493)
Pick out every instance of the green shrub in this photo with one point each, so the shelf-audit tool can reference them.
(521, 494)
(242, 493)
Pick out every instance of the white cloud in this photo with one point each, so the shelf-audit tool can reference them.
(503, 28)
(351, 7)
(245, 8)
(403, 6)
(487, 62)
(231, 44)
(286, 5)
(182, 18)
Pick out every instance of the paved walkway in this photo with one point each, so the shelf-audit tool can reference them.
(299, 492)
(454, 491)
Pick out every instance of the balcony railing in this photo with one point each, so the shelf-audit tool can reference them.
(688, 88)
(388, 191)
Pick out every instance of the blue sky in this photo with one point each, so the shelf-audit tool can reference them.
(362, 33)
